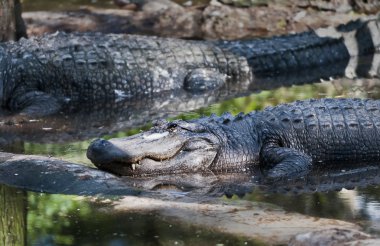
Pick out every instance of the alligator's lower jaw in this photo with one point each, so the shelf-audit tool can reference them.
(144, 167)
(148, 168)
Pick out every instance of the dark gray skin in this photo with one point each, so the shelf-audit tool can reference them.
(285, 141)
(42, 75)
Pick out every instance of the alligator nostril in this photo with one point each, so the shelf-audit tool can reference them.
(102, 152)
(103, 142)
(99, 144)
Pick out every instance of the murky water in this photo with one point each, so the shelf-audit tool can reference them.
(75, 220)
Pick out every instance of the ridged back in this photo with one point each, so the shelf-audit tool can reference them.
(116, 65)
(290, 52)
(330, 130)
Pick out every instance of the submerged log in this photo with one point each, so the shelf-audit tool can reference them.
(51, 175)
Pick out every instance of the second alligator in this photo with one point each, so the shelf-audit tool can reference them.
(44, 75)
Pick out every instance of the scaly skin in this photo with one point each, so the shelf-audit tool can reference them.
(286, 141)
(42, 75)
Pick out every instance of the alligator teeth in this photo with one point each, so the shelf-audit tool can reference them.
(133, 167)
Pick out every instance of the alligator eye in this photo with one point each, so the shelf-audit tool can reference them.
(171, 126)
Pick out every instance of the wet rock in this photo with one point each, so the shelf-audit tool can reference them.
(328, 237)
(172, 20)
(342, 6)
(224, 22)
(367, 6)
(365, 242)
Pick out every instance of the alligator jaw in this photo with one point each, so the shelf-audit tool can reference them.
(111, 157)
(152, 154)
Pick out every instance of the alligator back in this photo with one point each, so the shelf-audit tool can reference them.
(42, 74)
(60, 68)
(98, 65)
(328, 130)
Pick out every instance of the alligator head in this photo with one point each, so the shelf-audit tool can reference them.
(171, 147)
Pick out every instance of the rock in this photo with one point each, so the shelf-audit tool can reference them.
(328, 237)
(168, 19)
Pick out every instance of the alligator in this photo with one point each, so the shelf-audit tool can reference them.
(43, 75)
(287, 140)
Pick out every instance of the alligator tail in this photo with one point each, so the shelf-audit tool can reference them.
(310, 49)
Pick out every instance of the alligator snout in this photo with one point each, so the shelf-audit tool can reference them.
(176, 150)
(102, 152)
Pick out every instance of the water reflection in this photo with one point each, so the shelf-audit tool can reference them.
(72, 220)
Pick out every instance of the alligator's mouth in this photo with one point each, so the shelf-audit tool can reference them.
(135, 156)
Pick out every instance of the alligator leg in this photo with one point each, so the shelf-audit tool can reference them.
(34, 104)
(203, 79)
(285, 162)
